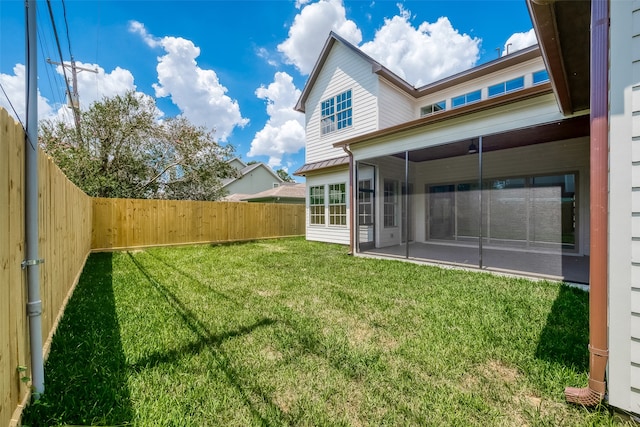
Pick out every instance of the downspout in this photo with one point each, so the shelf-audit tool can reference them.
(32, 261)
(594, 393)
(353, 199)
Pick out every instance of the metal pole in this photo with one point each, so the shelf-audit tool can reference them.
(480, 199)
(406, 203)
(32, 261)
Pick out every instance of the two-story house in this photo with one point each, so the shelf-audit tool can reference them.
(528, 164)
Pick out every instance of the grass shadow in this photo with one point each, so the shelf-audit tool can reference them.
(211, 342)
(86, 372)
(565, 337)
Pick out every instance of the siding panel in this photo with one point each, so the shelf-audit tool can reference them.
(342, 70)
(395, 107)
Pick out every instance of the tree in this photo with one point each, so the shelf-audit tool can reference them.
(284, 175)
(123, 150)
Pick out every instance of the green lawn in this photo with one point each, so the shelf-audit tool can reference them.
(290, 332)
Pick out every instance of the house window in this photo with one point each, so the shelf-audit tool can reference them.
(467, 98)
(427, 110)
(337, 204)
(541, 76)
(276, 185)
(316, 205)
(508, 86)
(390, 203)
(336, 113)
(365, 202)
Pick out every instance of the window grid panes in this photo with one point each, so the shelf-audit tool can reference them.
(541, 76)
(467, 98)
(432, 108)
(328, 117)
(365, 202)
(337, 204)
(336, 113)
(504, 87)
(390, 204)
(316, 205)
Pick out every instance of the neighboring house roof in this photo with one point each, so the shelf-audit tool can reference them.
(377, 68)
(285, 191)
(237, 197)
(248, 169)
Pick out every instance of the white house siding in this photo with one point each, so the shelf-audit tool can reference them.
(394, 106)
(328, 233)
(624, 207)
(523, 69)
(343, 70)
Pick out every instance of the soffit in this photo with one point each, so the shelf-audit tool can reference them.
(563, 31)
(554, 131)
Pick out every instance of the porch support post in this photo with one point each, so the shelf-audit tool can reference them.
(480, 200)
(353, 199)
(405, 214)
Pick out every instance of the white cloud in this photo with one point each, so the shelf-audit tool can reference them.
(284, 131)
(91, 87)
(311, 28)
(197, 92)
(424, 54)
(14, 86)
(519, 41)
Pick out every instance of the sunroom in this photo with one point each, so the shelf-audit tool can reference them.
(507, 200)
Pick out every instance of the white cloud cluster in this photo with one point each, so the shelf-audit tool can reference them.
(310, 30)
(91, 87)
(519, 41)
(197, 92)
(14, 87)
(284, 131)
(424, 54)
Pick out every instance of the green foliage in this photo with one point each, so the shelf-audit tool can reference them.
(291, 332)
(123, 150)
(284, 175)
(22, 371)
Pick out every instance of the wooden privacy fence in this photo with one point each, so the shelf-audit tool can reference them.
(65, 220)
(132, 223)
(71, 225)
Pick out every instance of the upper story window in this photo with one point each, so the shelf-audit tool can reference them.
(427, 110)
(336, 113)
(508, 86)
(540, 77)
(467, 98)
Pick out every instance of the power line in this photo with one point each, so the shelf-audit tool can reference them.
(66, 23)
(12, 107)
(76, 113)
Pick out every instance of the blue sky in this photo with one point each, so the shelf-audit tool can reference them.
(238, 66)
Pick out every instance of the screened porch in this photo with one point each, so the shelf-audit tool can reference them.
(514, 202)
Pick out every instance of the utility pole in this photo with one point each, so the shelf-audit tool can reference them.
(74, 98)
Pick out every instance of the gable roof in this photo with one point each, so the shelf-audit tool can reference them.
(248, 169)
(284, 191)
(379, 69)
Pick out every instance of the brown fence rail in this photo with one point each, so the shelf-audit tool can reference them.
(71, 224)
(65, 219)
(131, 223)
